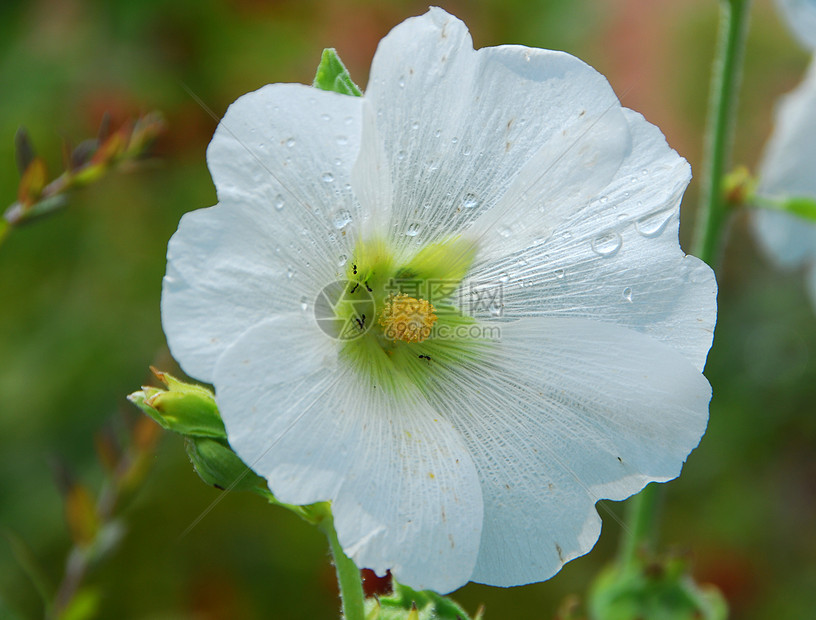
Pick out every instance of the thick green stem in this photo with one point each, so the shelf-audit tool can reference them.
(641, 520)
(348, 575)
(725, 81)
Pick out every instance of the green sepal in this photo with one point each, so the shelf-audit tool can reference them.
(661, 589)
(332, 75)
(183, 408)
(217, 465)
(407, 604)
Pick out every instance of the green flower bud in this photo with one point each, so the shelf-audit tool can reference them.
(184, 408)
(219, 466)
(661, 589)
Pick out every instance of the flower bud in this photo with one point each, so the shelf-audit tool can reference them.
(219, 466)
(183, 408)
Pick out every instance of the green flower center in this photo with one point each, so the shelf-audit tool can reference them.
(405, 312)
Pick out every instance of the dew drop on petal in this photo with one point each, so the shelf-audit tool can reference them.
(401, 155)
(290, 142)
(325, 117)
(342, 140)
(627, 294)
(496, 309)
(402, 81)
(304, 304)
(327, 177)
(349, 120)
(342, 260)
(279, 202)
(504, 277)
(290, 273)
(607, 244)
(654, 224)
(559, 273)
(470, 201)
(415, 125)
(342, 219)
(466, 150)
(454, 140)
(437, 133)
(504, 231)
(413, 230)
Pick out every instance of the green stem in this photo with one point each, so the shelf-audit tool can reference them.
(725, 81)
(348, 575)
(641, 519)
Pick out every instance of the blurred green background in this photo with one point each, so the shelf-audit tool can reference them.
(79, 299)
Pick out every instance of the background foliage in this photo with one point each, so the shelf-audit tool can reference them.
(79, 298)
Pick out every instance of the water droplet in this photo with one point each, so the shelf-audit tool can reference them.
(325, 117)
(327, 177)
(466, 150)
(454, 140)
(342, 260)
(504, 277)
(644, 172)
(338, 162)
(470, 201)
(401, 155)
(415, 125)
(290, 142)
(627, 294)
(304, 304)
(427, 205)
(559, 273)
(566, 235)
(342, 219)
(278, 202)
(607, 244)
(413, 230)
(496, 309)
(342, 140)
(604, 199)
(623, 216)
(402, 81)
(504, 231)
(653, 224)
(437, 133)
(348, 120)
(290, 273)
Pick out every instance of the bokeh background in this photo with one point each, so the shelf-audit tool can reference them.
(79, 300)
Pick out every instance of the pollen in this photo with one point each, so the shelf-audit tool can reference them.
(407, 318)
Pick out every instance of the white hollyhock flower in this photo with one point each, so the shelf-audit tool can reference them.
(787, 170)
(801, 18)
(550, 356)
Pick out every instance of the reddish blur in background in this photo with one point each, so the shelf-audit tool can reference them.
(79, 298)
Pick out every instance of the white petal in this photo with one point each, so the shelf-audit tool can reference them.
(559, 414)
(450, 130)
(280, 232)
(405, 492)
(616, 259)
(788, 168)
(801, 18)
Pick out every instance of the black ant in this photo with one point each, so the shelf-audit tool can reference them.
(425, 357)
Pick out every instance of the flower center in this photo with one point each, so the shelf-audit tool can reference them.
(407, 318)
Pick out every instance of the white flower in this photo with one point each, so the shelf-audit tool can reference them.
(514, 174)
(787, 170)
(801, 18)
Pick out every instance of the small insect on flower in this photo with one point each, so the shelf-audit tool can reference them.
(533, 339)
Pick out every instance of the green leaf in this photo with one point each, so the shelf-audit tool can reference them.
(30, 566)
(332, 75)
(800, 206)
